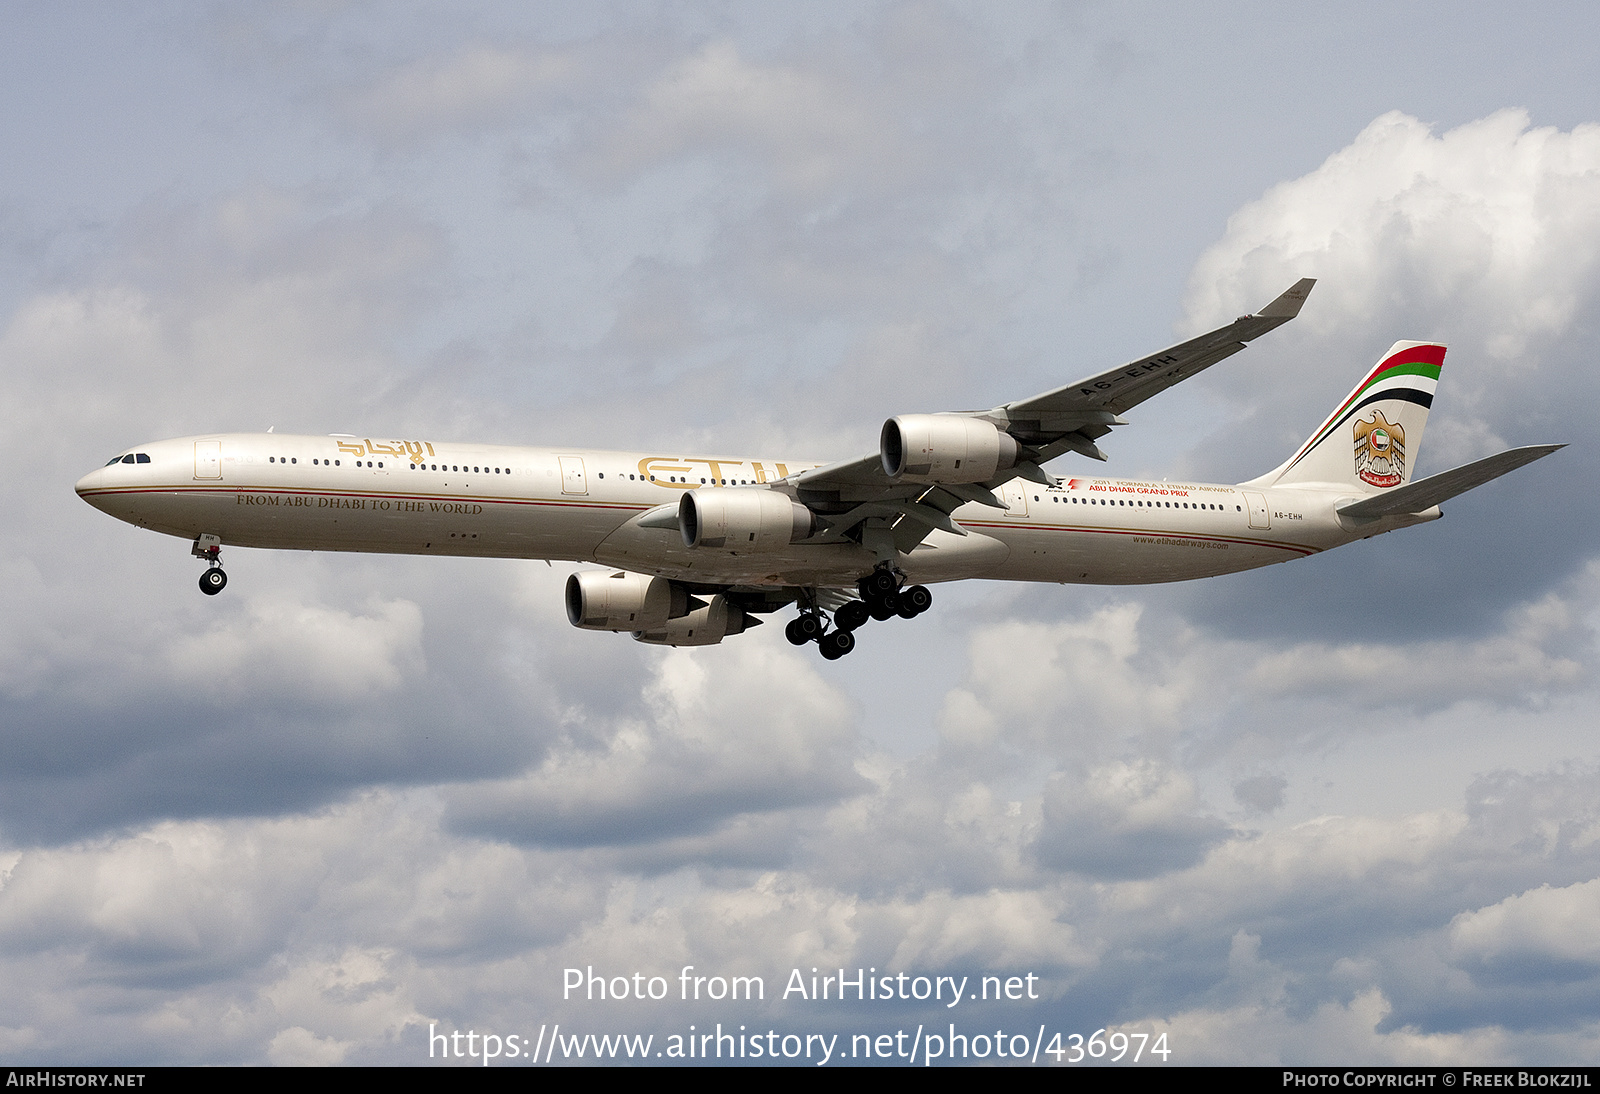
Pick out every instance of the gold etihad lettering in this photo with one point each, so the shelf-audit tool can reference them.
(674, 472)
(367, 447)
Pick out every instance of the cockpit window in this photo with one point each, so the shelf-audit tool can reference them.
(113, 459)
(128, 458)
(141, 457)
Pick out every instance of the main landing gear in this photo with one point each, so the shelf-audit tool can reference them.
(208, 547)
(812, 626)
(882, 597)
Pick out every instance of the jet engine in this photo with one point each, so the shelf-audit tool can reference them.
(598, 601)
(944, 448)
(707, 625)
(749, 520)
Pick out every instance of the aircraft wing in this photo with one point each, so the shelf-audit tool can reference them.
(1426, 493)
(1066, 419)
(1128, 385)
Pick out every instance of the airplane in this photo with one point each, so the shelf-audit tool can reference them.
(697, 548)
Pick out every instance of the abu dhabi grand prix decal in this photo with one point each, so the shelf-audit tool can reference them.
(1380, 449)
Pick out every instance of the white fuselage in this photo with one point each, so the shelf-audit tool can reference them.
(419, 497)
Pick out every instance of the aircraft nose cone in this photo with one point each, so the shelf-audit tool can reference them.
(89, 483)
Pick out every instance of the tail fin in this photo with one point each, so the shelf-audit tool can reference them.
(1370, 442)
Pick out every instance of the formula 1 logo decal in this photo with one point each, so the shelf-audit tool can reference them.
(1380, 451)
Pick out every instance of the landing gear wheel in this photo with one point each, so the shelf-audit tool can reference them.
(905, 609)
(808, 626)
(792, 633)
(213, 581)
(851, 615)
(917, 597)
(877, 584)
(884, 607)
(835, 644)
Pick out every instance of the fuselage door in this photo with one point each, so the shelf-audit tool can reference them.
(1015, 495)
(573, 480)
(1260, 517)
(208, 459)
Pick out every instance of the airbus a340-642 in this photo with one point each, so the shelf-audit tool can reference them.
(697, 548)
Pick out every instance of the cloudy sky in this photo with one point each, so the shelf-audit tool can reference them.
(1347, 809)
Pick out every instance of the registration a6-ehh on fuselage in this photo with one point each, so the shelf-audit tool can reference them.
(699, 548)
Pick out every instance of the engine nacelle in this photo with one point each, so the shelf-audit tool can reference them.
(742, 519)
(944, 448)
(705, 626)
(598, 601)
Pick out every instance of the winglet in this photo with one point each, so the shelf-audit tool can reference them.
(1288, 305)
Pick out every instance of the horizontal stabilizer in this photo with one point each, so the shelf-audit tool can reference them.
(1426, 493)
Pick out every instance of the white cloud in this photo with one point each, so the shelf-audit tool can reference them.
(238, 937)
(358, 995)
(178, 901)
(299, 1047)
(743, 730)
(1125, 820)
(1077, 685)
(1549, 924)
(259, 305)
(1126, 676)
(1345, 860)
(1494, 217)
(280, 649)
(999, 929)
(808, 126)
(1486, 236)
(474, 85)
(1335, 1032)
(1544, 647)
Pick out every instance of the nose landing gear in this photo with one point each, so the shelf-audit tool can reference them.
(209, 547)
